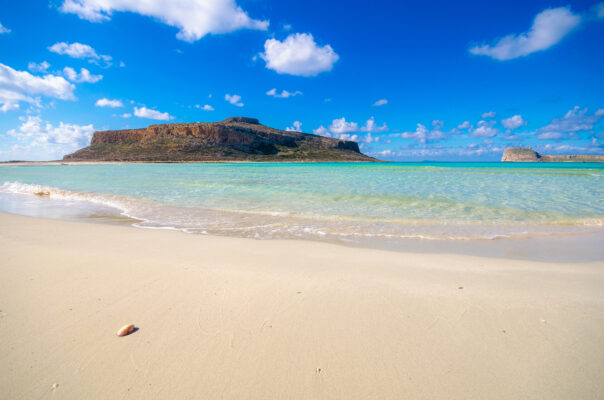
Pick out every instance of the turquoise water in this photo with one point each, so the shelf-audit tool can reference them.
(341, 202)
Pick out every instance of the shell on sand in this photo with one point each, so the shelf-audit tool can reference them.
(126, 330)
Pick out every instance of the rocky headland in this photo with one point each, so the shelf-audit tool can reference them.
(524, 154)
(234, 139)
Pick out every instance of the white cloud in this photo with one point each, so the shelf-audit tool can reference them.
(342, 129)
(207, 107)
(322, 131)
(298, 55)
(370, 126)
(18, 86)
(145, 112)
(490, 114)
(380, 102)
(284, 93)
(593, 147)
(104, 102)
(575, 120)
(369, 138)
(41, 67)
(550, 135)
(340, 125)
(4, 29)
(297, 127)
(234, 99)
(387, 153)
(193, 18)
(347, 136)
(549, 27)
(126, 115)
(48, 141)
(445, 153)
(464, 125)
(83, 76)
(485, 129)
(79, 50)
(514, 122)
(422, 134)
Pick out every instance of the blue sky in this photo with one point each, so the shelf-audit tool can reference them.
(409, 81)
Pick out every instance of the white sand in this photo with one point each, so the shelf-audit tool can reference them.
(226, 318)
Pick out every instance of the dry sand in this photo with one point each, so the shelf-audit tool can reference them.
(227, 318)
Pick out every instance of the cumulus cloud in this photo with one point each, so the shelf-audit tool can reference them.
(464, 125)
(21, 86)
(340, 126)
(420, 134)
(298, 55)
(104, 102)
(423, 135)
(369, 138)
(83, 76)
(284, 93)
(371, 126)
(387, 153)
(490, 114)
(47, 140)
(514, 122)
(297, 127)
(79, 50)
(322, 131)
(381, 102)
(41, 67)
(485, 129)
(549, 27)
(575, 120)
(4, 29)
(193, 18)
(342, 129)
(207, 107)
(144, 112)
(234, 99)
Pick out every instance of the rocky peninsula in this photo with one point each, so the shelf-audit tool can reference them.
(234, 139)
(524, 154)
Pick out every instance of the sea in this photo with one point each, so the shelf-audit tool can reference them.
(382, 205)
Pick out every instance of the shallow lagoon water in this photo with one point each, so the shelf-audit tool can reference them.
(376, 204)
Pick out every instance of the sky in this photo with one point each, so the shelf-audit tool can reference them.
(408, 80)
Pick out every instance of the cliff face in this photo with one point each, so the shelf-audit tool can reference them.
(233, 139)
(520, 154)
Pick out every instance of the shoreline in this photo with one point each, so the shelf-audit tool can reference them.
(59, 162)
(553, 248)
(237, 318)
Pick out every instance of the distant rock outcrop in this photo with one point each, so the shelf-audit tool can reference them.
(523, 154)
(234, 139)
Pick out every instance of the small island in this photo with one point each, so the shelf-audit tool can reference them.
(234, 139)
(524, 154)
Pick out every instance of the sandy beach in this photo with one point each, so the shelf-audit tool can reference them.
(236, 318)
